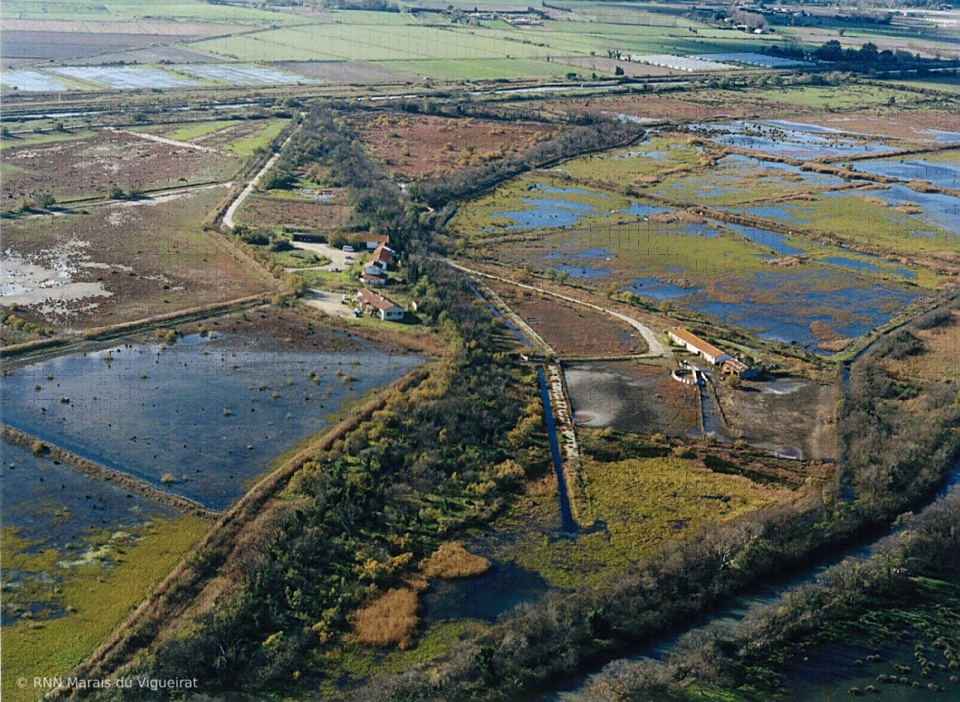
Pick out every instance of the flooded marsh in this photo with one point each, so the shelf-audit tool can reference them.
(200, 420)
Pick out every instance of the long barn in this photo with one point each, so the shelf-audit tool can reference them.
(694, 344)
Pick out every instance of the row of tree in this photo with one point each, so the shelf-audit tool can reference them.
(357, 519)
(325, 146)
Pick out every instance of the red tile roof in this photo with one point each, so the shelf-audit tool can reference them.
(382, 254)
(368, 297)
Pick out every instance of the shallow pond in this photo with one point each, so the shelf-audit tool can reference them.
(566, 191)
(767, 304)
(800, 141)
(941, 211)
(546, 213)
(210, 416)
(640, 210)
(771, 240)
(944, 175)
(486, 597)
(53, 505)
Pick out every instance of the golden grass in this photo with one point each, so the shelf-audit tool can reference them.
(941, 359)
(452, 560)
(390, 619)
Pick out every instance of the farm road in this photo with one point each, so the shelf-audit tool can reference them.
(164, 140)
(328, 303)
(655, 344)
(247, 191)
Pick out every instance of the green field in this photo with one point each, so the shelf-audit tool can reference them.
(365, 36)
(35, 139)
(96, 598)
(246, 146)
(193, 131)
(481, 69)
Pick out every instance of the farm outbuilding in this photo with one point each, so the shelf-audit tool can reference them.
(370, 278)
(694, 344)
(374, 240)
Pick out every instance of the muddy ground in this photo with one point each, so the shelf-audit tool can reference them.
(89, 167)
(783, 414)
(572, 330)
(121, 262)
(633, 397)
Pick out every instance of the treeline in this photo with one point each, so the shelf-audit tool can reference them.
(896, 457)
(598, 135)
(867, 55)
(358, 518)
(895, 452)
(751, 660)
(325, 148)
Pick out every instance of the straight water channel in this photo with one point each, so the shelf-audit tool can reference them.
(727, 618)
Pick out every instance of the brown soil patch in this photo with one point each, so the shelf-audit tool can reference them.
(608, 66)
(152, 54)
(64, 45)
(135, 26)
(416, 146)
(572, 330)
(264, 211)
(668, 109)
(88, 167)
(151, 259)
